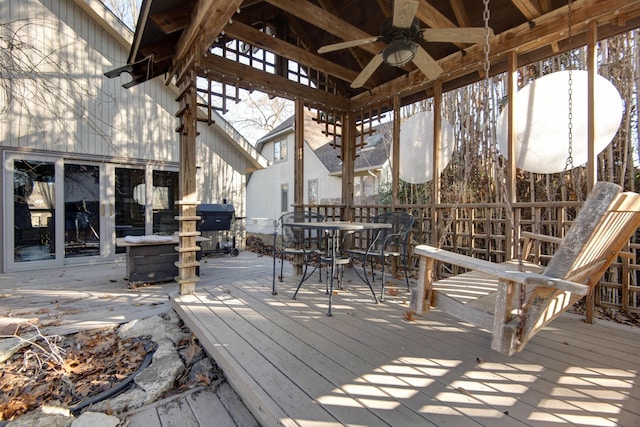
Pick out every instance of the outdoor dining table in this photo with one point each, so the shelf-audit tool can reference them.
(334, 230)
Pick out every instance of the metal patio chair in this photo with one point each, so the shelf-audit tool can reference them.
(303, 243)
(386, 243)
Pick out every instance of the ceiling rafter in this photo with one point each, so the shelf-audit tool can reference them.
(433, 18)
(321, 18)
(460, 11)
(313, 23)
(160, 51)
(201, 34)
(360, 57)
(523, 38)
(279, 47)
(246, 77)
(529, 8)
(308, 44)
(172, 20)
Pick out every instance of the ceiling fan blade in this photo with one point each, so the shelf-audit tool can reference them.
(403, 13)
(451, 35)
(427, 64)
(367, 71)
(347, 44)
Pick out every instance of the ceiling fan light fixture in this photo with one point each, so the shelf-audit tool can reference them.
(399, 52)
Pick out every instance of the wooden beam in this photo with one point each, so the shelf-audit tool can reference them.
(207, 21)
(246, 77)
(512, 239)
(160, 51)
(281, 48)
(319, 17)
(434, 18)
(298, 167)
(361, 57)
(437, 144)
(172, 20)
(187, 260)
(348, 164)
(529, 8)
(395, 153)
(550, 27)
(592, 71)
(460, 11)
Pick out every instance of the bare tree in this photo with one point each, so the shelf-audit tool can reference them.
(258, 114)
(126, 10)
(40, 90)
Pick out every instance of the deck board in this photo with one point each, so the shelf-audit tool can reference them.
(294, 366)
(367, 365)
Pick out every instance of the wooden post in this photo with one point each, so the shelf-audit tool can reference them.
(395, 153)
(512, 239)
(437, 144)
(298, 169)
(187, 247)
(592, 39)
(348, 164)
(503, 337)
(422, 294)
(298, 185)
(591, 120)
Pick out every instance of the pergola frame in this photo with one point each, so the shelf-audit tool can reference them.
(545, 33)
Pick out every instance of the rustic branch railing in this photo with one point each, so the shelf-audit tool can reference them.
(478, 230)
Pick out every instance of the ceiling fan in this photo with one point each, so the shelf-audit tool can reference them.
(400, 33)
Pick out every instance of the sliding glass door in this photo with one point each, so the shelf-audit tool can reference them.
(32, 193)
(60, 211)
(82, 202)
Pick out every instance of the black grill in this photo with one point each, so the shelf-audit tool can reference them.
(215, 217)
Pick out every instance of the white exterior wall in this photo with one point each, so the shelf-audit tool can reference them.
(67, 104)
(264, 186)
(65, 107)
(329, 187)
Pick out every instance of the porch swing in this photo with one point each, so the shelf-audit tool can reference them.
(516, 299)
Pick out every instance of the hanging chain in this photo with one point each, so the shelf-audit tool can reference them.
(569, 165)
(486, 15)
(486, 66)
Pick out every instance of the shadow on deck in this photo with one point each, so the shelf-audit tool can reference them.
(367, 365)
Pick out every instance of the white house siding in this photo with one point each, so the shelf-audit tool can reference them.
(264, 186)
(94, 118)
(93, 115)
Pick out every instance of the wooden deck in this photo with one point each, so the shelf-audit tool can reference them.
(367, 365)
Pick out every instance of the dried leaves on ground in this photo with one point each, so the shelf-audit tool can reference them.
(90, 362)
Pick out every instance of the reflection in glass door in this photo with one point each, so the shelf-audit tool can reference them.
(82, 229)
(130, 202)
(34, 210)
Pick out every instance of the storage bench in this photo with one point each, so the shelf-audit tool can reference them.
(153, 262)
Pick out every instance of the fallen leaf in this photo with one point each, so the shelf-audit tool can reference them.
(192, 351)
(204, 379)
(409, 316)
(463, 391)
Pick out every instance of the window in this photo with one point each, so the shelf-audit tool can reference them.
(279, 151)
(164, 204)
(284, 197)
(313, 191)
